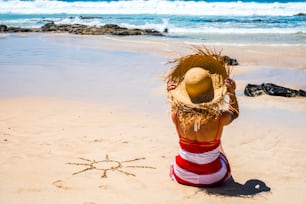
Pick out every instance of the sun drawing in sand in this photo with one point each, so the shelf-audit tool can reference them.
(107, 165)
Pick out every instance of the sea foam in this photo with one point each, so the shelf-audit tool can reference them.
(152, 7)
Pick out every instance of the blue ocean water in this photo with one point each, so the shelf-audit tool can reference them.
(225, 21)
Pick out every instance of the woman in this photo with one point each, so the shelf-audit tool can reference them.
(203, 101)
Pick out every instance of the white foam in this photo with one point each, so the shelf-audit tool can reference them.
(152, 7)
(232, 30)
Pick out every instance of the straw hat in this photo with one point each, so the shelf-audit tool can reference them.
(200, 81)
(197, 88)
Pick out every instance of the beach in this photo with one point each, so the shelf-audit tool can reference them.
(85, 119)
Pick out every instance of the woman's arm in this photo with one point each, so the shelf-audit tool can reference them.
(233, 112)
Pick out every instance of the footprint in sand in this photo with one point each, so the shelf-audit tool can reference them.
(60, 184)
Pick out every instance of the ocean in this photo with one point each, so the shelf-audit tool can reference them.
(211, 21)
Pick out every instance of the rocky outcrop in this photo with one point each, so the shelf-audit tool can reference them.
(300, 14)
(4, 28)
(230, 61)
(80, 29)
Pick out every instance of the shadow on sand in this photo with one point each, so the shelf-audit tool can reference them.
(234, 189)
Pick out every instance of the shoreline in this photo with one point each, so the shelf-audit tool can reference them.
(285, 66)
(255, 54)
(262, 61)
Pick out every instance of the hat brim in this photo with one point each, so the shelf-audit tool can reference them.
(210, 61)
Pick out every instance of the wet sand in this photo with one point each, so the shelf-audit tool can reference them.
(85, 119)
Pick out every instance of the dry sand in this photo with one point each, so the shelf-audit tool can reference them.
(125, 153)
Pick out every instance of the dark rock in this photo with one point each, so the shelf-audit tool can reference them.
(301, 92)
(300, 14)
(80, 29)
(112, 26)
(48, 27)
(230, 61)
(3, 28)
(25, 30)
(272, 90)
(36, 30)
(17, 29)
(122, 32)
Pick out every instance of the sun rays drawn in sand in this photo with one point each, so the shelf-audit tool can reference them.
(107, 165)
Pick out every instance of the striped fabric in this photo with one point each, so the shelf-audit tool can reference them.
(200, 167)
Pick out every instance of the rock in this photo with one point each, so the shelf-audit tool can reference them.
(112, 26)
(17, 29)
(300, 14)
(3, 28)
(230, 61)
(36, 29)
(80, 29)
(48, 27)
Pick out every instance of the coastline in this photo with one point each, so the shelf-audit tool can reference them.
(251, 54)
(42, 133)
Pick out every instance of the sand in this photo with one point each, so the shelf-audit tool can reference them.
(63, 149)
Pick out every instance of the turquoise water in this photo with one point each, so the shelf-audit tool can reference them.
(268, 22)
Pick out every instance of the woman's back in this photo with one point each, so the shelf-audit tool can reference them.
(208, 132)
